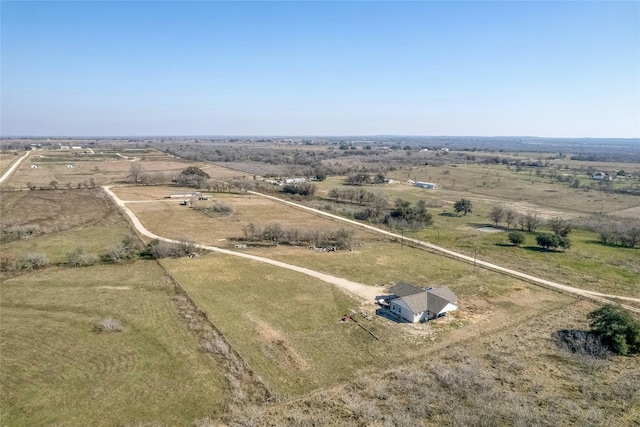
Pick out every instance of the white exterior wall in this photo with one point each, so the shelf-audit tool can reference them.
(449, 307)
(400, 308)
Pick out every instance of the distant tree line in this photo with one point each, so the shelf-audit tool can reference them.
(277, 234)
(376, 209)
(617, 231)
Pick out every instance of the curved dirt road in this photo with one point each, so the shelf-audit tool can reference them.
(527, 277)
(366, 292)
(359, 290)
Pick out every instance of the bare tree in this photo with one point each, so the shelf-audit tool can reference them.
(509, 217)
(532, 221)
(496, 214)
(136, 173)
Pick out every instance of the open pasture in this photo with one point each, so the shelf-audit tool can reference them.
(503, 185)
(70, 169)
(168, 218)
(515, 375)
(57, 370)
(57, 209)
(287, 324)
(67, 219)
(7, 158)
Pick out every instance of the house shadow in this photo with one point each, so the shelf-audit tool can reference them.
(389, 315)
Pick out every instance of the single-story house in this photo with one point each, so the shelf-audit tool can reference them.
(185, 195)
(415, 304)
(294, 180)
(599, 176)
(427, 185)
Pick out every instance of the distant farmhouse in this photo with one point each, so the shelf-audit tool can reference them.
(415, 304)
(288, 181)
(601, 176)
(184, 194)
(294, 180)
(427, 185)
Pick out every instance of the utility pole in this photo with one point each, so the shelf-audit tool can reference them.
(475, 257)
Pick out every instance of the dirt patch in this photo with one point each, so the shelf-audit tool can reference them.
(275, 346)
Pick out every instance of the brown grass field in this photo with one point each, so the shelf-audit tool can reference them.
(166, 217)
(494, 362)
(287, 324)
(104, 167)
(7, 158)
(56, 370)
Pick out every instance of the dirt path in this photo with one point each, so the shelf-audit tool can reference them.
(359, 290)
(366, 292)
(13, 167)
(531, 279)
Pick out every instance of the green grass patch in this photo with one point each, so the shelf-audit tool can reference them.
(287, 325)
(56, 370)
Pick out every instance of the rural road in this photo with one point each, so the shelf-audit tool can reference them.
(359, 290)
(366, 292)
(13, 167)
(531, 279)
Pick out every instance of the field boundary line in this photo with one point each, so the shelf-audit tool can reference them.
(236, 354)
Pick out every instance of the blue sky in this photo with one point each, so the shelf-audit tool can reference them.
(561, 69)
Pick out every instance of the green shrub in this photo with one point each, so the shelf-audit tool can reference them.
(617, 329)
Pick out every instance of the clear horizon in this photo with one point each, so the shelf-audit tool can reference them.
(412, 69)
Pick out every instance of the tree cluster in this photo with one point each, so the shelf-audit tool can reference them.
(404, 215)
(128, 248)
(552, 241)
(31, 261)
(307, 189)
(158, 249)
(276, 233)
(365, 178)
(358, 195)
(617, 329)
(192, 177)
(620, 232)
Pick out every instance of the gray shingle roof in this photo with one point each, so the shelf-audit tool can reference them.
(403, 289)
(445, 293)
(418, 300)
(417, 303)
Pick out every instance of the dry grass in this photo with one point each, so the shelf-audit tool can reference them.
(105, 167)
(7, 158)
(67, 219)
(287, 325)
(516, 377)
(497, 184)
(56, 371)
(169, 219)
